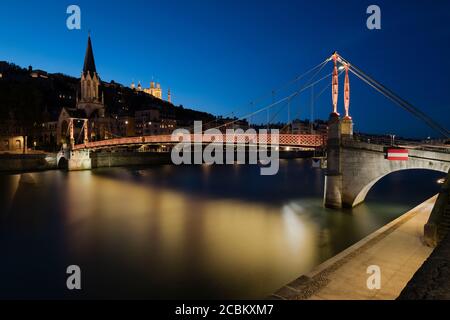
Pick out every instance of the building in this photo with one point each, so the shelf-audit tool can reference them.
(151, 122)
(306, 127)
(13, 144)
(224, 124)
(90, 100)
(147, 122)
(154, 90)
(48, 132)
(167, 126)
(320, 127)
(38, 73)
(125, 126)
(89, 106)
(300, 127)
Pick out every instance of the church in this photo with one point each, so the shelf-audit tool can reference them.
(154, 90)
(89, 106)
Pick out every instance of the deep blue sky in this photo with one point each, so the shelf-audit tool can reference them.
(219, 55)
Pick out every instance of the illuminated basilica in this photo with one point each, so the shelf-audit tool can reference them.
(154, 90)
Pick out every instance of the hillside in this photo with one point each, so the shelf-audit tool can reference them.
(30, 96)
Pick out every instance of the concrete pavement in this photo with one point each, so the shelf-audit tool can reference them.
(397, 249)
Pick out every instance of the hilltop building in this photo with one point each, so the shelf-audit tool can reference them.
(154, 90)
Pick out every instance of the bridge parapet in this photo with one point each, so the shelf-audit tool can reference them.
(440, 153)
(351, 143)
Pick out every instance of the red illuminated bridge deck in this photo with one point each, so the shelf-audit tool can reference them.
(292, 140)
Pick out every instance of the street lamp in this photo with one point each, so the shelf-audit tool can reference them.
(392, 139)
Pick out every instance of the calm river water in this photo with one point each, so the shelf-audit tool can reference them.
(182, 232)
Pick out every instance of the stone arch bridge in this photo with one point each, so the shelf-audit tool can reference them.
(353, 167)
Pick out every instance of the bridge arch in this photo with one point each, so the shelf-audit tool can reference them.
(361, 196)
(62, 159)
(362, 169)
(63, 163)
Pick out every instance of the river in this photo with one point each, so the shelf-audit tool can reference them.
(182, 231)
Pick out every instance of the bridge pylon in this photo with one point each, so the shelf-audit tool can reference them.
(72, 159)
(353, 167)
(338, 129)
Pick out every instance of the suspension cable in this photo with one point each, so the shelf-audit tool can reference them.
(396, 99)
(314, 100)
(275, 103)
(266, 95)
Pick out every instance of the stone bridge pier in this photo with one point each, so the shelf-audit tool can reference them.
(79, 160)
(355, 167)
(74, 160)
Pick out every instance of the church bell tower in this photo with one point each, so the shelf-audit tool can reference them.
(90, 99)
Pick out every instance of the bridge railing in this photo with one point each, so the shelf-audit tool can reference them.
(387, 141)
(295, 140)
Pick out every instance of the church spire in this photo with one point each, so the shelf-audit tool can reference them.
(89, 62)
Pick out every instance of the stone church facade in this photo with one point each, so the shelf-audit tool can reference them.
(89, 106)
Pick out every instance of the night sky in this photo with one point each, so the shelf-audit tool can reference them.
(217, 56)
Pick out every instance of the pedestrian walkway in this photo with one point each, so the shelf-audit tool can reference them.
(397, 249)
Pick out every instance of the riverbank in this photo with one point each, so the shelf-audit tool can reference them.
(397, 249)
(10, 163)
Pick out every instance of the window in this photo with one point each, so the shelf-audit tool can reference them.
(18, 144)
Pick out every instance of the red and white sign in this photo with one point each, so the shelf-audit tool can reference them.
(397, 154)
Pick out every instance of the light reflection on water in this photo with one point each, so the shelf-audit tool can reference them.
(182, 232)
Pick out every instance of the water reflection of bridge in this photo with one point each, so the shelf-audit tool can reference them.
(353, 167)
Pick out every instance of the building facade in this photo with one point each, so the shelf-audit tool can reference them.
(89, 106)
(154, 90)
(13, 144)
(152, 122)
